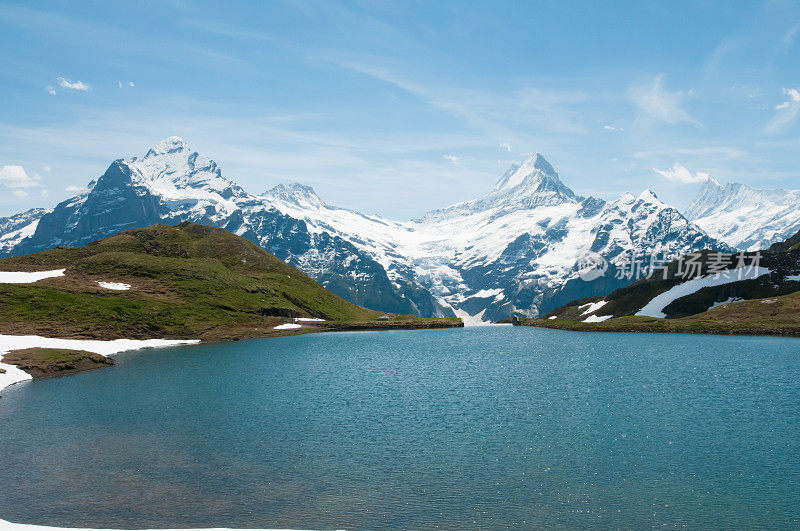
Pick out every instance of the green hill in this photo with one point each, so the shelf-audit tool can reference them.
(187, 281)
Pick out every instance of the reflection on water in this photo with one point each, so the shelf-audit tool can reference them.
(486, 427)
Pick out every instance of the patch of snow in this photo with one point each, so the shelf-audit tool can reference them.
(12, 277)
(597, 318)
(471, 320)
(796, 278)
(486, 293)
(722, 303)
(655, 308)
(105, 348)
(287, 326)
(309, 319)
(119, 286)
(592, 307)
(552, 317)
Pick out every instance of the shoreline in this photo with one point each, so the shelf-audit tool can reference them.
(640, 325)
(106, 348)
(112, 347)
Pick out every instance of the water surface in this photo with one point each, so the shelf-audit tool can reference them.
(481, 427)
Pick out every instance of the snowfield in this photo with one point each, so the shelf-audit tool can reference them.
(287, 326)
(118, 286)
(655, 308)
(597, 318)
(10, 277)
(592, 307)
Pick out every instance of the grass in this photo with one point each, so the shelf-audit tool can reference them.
(768, 316)
(47, 362)
(188, 281)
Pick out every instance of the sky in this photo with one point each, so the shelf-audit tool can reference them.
(397, 108)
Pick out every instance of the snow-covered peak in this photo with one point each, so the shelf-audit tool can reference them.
(648, 196)
(168, 145)
(709, 197)
(532, 176)
(745, 217)
(295, 193)
(532, 184)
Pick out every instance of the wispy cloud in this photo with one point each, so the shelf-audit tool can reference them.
(681, 174)
(786, 112)
(50, 90)
(458, 161)
(654, 101)
(73, 85)
(16, 177)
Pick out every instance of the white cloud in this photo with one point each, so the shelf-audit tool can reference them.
(119, 84)
(44, 193)
(664, 106)
(609, 128)
(506, 146)
(75, 189)
(20, 193)
(130, 84)
(787, 112)
(682, 175)
(74, 85)
(15, 177)
(51, 90)
(458, 161)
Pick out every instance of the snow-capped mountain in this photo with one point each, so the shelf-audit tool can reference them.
(515, 250)
(746, 218)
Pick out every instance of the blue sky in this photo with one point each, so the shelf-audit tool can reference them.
(399, 107)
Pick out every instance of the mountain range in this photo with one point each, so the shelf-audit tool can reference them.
(747, 218)
(516, 250)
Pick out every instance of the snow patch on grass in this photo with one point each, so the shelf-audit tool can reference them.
(287, 326)
(597, 318)
(118, 286)
(20, 277)
(592, 307)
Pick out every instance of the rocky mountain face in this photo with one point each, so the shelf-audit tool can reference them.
(747, 218)
(515, 250)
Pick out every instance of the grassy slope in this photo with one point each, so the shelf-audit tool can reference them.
(770, 316)
(187, 281)
(47, 362)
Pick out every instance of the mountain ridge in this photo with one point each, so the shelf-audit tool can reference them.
(513, 250)
(745, 217)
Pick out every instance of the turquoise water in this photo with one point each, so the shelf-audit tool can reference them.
(475, 428)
